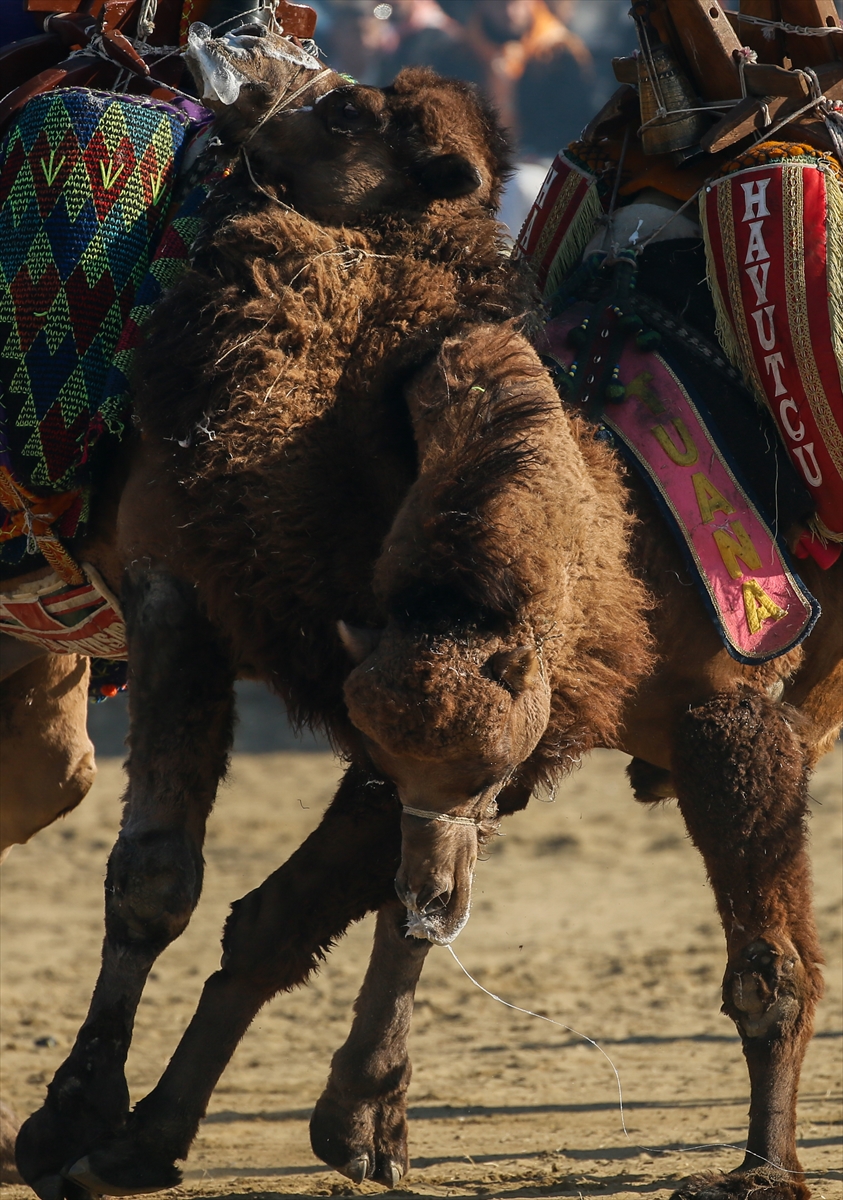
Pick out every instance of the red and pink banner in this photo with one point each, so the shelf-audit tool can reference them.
(761, 608)
(775, 248)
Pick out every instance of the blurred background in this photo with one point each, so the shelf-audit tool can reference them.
(545, 64)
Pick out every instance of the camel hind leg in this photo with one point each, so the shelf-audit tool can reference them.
(740, 764)
(181, 707)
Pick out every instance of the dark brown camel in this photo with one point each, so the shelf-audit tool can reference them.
(341, 423)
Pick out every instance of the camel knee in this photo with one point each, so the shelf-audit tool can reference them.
(769, 992)
(152, 886)
(260, 946)
(742, 745)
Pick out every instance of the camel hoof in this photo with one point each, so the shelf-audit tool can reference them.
(121, 1182)
(357, 1169)
(742, 1185)
(48, 1187)
(389, 1174)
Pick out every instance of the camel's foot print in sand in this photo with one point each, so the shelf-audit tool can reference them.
(759, 1183)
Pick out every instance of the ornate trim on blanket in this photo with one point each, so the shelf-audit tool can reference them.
(37, 518)
(66, 618)
(560, 223)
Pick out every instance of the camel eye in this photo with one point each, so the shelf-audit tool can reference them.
(350, 112)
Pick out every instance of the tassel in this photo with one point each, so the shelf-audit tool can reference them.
(578, 235)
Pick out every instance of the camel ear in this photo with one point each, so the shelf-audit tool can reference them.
(359, 643)
(447, 176)
(516, 670)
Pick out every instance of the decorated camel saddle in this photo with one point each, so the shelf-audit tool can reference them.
(720, 157)
(100, 199)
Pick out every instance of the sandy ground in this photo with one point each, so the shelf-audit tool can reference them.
(590, 910)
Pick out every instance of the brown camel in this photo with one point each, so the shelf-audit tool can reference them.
(350, 451)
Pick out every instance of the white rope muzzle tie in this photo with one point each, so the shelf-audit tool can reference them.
(430, 814)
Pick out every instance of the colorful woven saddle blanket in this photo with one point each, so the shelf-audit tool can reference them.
(86, 246)
(773, 234)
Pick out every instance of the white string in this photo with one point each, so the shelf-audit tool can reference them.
(550, 1021)
(648, 1149)
(430, 814)
(284, 98)
(802, 30)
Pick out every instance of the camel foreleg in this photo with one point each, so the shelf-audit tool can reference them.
(359, 1125)
(181, 707)
(274, 938)
(741, 770)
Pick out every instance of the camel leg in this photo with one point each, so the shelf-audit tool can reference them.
(46, 769)
(359, 1125)
(181, 707)
(273, 940)
(46, 757)
(740, 767)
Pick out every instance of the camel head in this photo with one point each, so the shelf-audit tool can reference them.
(448, 720)
(244, 73)
(453, 695)
(358, 152)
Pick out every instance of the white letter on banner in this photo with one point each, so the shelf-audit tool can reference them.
(760, 286)
(768, 341)
(813, 477)
(774, 363)
(755, 195)
(756, 250)
(790, 404)
(524, 240)
(546, 186)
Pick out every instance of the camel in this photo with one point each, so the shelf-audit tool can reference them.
(355, 480)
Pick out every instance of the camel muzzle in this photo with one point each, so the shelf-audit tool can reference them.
(435, 878)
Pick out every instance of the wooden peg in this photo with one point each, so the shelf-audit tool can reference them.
(626, 70)
(296, 20)
(752, 116)
(755, 115)
(765, 79)
(709, 43)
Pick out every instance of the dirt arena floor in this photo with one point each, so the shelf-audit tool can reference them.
(590, 910)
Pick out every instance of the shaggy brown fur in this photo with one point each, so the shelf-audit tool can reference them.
(343, 422)
(317, 360)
